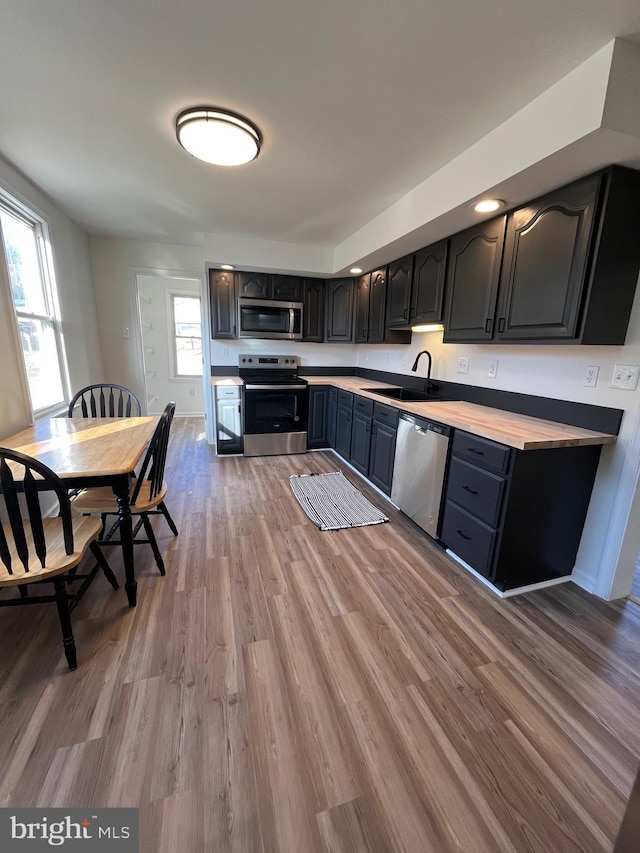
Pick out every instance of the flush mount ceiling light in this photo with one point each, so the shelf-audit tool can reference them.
(218, 136)
(488, 205)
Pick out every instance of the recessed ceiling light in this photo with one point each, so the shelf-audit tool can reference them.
(227, 267)
(355, 270)
(488, 205)
(218, 136)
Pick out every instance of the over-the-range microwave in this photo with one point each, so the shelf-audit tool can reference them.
(258, 318)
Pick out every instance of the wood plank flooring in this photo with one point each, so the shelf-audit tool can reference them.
(286, 690)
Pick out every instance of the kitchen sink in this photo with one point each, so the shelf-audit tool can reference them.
(405, 395)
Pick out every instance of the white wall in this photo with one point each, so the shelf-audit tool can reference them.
(72, 266)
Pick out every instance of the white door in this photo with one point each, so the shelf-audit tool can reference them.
(171, 329)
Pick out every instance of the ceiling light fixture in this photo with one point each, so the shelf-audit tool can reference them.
(355, 270)
(218, 136)
(488, 205)
(227, 267)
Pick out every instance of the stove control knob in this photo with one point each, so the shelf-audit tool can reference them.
(250, 360)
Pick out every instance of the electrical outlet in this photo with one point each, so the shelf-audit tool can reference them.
(625, 376)
(492, 369)
(463, 365)
(225, 352)
(591, 376)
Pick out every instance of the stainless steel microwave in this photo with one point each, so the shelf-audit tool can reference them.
(258, 318)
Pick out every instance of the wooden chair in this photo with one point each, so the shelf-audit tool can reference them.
(147, 497)
(37, 549)
(105, 400)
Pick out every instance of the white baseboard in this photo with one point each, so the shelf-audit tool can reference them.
(509, 593)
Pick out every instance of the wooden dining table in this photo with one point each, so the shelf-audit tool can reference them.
(86, 452)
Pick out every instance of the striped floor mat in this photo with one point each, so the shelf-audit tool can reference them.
(332, 503)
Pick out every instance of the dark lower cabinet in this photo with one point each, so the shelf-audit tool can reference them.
(516, 516)
(344, 418)
(361, 434)
(383, 446)
(317, 424)
(332, 414)
(222, 299)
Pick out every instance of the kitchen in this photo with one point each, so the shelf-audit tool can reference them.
(96, 268)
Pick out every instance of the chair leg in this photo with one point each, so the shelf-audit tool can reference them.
(163, 509)
(65, 622)
(152, 541)
(96, 550)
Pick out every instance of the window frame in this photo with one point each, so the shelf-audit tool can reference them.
(173, 337)
(26, 214)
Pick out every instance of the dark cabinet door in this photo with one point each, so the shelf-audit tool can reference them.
(317, 422)
(473, 272)
(255, 284)
(287, 288)
(360, 442)
(313, 310)
(382, 457)
(545, 263)
(222, 295)
(332, 414)
(343, 431)
(361, 326)
(339, 310)
(399, 292)
(377, 306)
(427, 294)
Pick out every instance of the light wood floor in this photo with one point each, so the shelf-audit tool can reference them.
(283, 689)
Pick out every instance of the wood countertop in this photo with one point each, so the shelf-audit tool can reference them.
(519, 431)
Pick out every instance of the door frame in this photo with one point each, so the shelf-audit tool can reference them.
(136, 333)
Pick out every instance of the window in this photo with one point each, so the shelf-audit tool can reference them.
(187, 335)
(23, 237)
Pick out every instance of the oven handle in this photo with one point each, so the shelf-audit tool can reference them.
(274, 387)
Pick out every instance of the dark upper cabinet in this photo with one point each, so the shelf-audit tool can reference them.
(254, 284)
(339, 310)
(429, 268)
(313, 311)
(362, 294)
(260, 285)
(377, 306)
(473, 272)
(399, 291)
(571, 262)
(544, 266)
(222, 295)
(287, 288)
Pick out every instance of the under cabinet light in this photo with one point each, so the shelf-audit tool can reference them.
(428, 327)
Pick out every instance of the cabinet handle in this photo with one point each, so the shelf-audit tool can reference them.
(476, 452)
(501, 324)
(471, 491)
(404, 313)
(349, 418)
(366, 427)
(463, 534)
(364, 333)
(487, 326)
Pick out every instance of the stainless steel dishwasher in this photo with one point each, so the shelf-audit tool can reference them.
(419, 468)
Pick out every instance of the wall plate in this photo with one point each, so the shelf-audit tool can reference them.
(463, 365)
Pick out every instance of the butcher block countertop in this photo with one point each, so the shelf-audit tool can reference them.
(519, 431)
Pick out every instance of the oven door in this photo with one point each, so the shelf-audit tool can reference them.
(274, 408)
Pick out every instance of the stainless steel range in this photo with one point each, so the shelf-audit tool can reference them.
(275, 405)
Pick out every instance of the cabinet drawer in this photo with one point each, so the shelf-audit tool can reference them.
(468, 537)
(363, 405)
(385, 414)
(227, 392)
(480, 451)
(477, 490)
(345, 398)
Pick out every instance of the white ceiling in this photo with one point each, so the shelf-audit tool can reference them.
(359, 101)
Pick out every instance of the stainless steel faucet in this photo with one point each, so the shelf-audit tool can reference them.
(415, 367)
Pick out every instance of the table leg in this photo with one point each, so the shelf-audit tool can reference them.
(126, 539)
